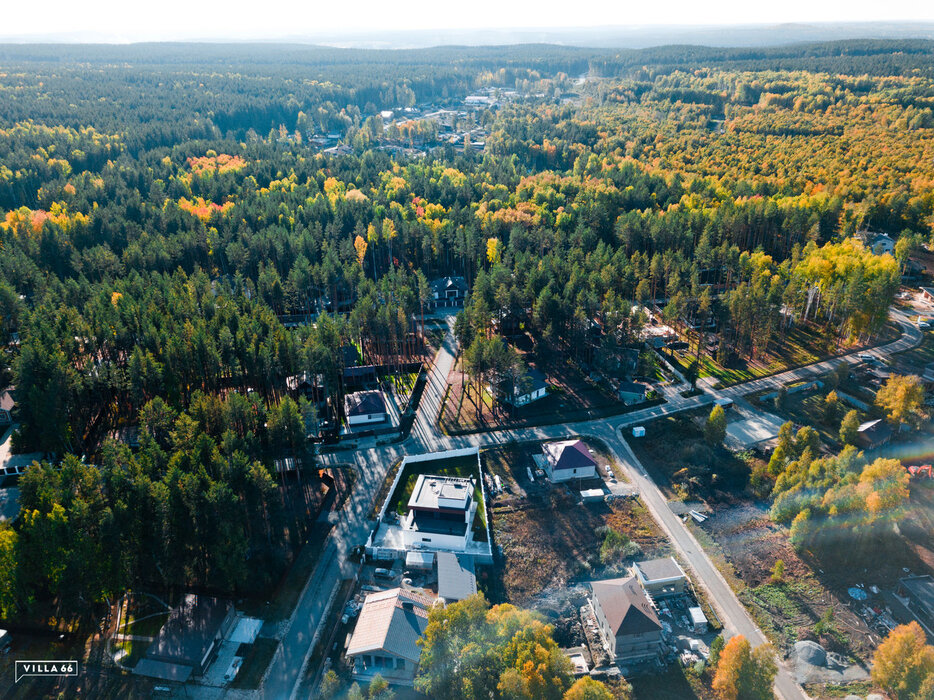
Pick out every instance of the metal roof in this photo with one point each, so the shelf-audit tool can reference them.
(568, 454)
(364, 403)
(456, 577)
(190, 630)
(391, 621)
(655, 570)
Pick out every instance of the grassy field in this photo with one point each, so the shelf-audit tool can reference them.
(802, 345)
(808, 408)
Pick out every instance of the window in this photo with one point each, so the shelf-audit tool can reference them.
(400, 664)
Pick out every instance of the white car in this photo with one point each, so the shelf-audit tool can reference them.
(234, 669)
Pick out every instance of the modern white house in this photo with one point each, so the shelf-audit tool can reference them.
(440, 512)
(385, 638)
(565, 460)
(364, 407)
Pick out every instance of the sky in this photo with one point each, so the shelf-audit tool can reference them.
(120, 20)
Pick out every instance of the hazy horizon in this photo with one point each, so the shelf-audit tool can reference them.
(623, 35)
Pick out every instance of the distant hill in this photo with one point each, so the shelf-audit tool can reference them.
(622, 37)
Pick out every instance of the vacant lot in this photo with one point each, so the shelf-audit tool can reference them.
(684, 465)
(745, 543)
(555, 539)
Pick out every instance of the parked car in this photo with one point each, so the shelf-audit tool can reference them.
(382, 573)
(234, 669)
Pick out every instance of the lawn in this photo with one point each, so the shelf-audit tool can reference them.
(803, 344)
(463, 467)
(134, 651)
(808, 408)
(145, 627)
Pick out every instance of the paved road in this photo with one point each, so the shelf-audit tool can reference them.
(372, 464)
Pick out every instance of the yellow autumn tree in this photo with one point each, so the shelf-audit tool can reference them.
(493, 250)
(360, 244)
(902, 399)
(744, 673)
(903, 661)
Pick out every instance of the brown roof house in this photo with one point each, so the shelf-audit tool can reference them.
(568, 459)
(365, 407)
(627, 620)
(7, 403)
(385, 639)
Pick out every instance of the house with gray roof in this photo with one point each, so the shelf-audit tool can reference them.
(448, 292)
(385, 638)
(188, 641)
(661, 578)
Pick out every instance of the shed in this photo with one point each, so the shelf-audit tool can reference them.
(592, 495)
(698, 620)
(419, 560)
(638, 431)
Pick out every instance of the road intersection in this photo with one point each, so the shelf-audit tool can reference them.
(372, 463)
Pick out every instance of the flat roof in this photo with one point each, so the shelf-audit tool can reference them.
(697, 615)
(441, 492)
(658, 570)
(178, 673)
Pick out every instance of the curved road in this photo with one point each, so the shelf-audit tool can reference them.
(373, 462)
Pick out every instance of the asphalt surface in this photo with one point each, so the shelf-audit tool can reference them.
(372, 464)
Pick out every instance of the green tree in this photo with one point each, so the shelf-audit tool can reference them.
(715, 427)
(778, 571)
(849, 427)
(330, 684)
(716, 647)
